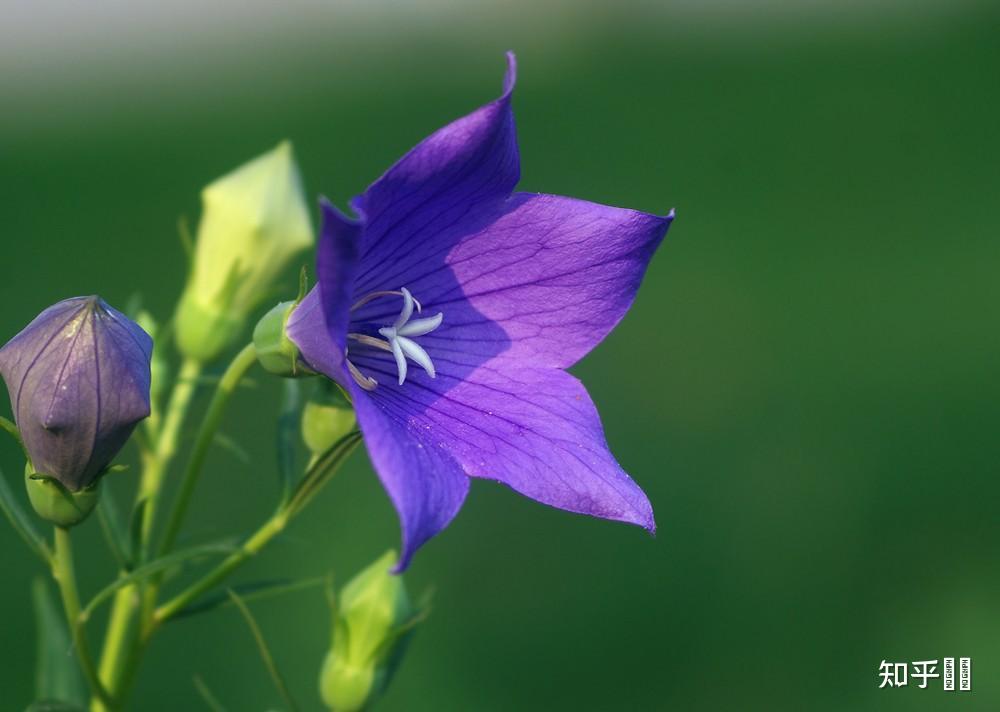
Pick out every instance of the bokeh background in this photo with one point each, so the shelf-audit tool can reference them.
(806, 387)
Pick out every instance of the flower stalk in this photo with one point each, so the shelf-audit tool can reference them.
(65, 576)
(317, 476)
(235, 373)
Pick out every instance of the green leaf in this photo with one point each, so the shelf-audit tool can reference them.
(303, 284)
(53, 706)
(206, 694)
(135, 527)
(11, 429)
(288, 430)
(253, 591)
(178, 558)
(234, 448)
(321, 472)
(265, 653)
(21, 522)
(112, 528)
(187, 240)
(57, 676)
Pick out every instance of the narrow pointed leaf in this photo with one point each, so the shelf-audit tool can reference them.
(234, 448)
(135, 530)
(321, 472)
(253, 591)
(178, 558)
(265, 653)
(112, 528)
(57, 677)
(211, 701)
(288, 428)
(54, 706)
(20, 520)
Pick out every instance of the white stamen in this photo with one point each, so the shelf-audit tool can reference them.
(416, 352)
(407, 312)
(419, 327)
(375, 295)
(370, 341)
(398, 338)
(397, 352)
(366, 382)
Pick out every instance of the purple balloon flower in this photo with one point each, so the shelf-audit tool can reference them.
(449, 310)
(78, 378)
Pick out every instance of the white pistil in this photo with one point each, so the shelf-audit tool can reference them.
(399, 338)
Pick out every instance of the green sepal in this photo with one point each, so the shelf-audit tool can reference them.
(54, 503)
(277, 353)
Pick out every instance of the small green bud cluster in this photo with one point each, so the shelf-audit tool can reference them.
(372, 625)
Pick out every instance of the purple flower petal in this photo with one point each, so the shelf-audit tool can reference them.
(454, 172)
(318, 326)
(533, 429)
(425, 483)
(555, 274)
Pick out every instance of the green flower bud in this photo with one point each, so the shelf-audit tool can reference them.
(56, 504)
(275, 351)
(326, 418)
(254, 222)
(371, 629)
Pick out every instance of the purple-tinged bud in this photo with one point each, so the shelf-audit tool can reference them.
(78, 379)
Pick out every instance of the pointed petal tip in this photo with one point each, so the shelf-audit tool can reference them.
(335, 215)
(650, 525)
(510, 78)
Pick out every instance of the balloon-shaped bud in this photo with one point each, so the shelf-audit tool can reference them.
(326, 418)
(254, 222)
(372, 624)
(78, 378)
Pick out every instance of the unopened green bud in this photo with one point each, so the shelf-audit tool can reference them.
(275, 351)
(56, 504)
(254, 222)
(326, 418)
(371, 628)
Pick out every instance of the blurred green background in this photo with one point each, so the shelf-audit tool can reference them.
(805, 388)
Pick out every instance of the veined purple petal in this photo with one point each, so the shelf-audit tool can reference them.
(425, 483)
(555, 274)
(533, 429)
(318, 326)
(78, 378)
(449, 175)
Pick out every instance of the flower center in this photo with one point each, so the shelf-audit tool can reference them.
(398, 339)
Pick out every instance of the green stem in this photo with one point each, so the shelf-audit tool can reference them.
(166, 444)
(270, 529)
(117, 642)
(237, 369)
(62, 572)
(305, 492)
(122, 644)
